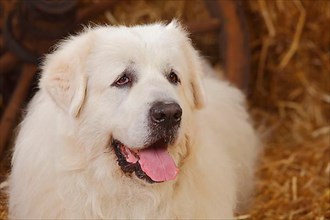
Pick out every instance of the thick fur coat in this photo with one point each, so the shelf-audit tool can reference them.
(64, 165)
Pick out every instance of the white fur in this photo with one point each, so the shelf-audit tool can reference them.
(63, 164)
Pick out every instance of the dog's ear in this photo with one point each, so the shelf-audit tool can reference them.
(63, 76)
(198, 91)
(196, 70)
(194, 64)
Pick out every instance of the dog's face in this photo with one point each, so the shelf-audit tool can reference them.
(132, 90)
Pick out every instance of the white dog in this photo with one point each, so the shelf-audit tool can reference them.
(126, 125)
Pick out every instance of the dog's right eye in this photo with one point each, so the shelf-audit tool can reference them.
(124, 80)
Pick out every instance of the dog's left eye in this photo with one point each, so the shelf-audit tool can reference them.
(173, 78)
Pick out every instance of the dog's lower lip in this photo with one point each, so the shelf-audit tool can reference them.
(128, 167)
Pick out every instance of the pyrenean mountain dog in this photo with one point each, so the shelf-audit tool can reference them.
(126, 125)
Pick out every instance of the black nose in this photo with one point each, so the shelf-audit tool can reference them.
(166, 114)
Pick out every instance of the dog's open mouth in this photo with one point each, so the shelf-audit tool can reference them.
(153, 163)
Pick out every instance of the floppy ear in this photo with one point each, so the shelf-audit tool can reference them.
(64, 77)
(196, 70)
(194, 64)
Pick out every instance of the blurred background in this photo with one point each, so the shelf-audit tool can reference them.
(276, 51)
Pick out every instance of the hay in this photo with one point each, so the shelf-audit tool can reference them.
(290, 99)
(290, 103)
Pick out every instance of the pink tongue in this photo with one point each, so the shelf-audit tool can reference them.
(158, 164)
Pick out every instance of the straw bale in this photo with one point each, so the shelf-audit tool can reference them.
(290, 103)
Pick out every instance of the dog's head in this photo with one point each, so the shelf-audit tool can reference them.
(130, 89)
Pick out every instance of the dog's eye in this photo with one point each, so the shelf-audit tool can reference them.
(123, 80)
(173, 78)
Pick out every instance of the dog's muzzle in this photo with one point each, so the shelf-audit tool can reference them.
(152, 162)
